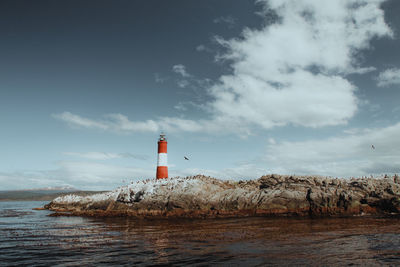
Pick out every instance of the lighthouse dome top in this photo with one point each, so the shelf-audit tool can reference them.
(162, 137)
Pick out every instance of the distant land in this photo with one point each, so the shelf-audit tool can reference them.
(42, 194)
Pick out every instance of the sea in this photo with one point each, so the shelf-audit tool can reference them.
(32, 238)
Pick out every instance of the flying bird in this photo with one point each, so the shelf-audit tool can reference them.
(186, 158)
(372, 146)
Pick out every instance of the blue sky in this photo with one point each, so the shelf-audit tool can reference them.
(243, 88)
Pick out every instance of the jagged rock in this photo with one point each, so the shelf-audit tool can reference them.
(202, 196)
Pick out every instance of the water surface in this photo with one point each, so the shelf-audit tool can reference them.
(30, 238)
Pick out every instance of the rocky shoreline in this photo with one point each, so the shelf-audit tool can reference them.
(271, 195)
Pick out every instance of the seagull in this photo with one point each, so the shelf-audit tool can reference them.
(372, 146)
(186, 158)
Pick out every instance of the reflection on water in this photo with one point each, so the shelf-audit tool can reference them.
(30, 237)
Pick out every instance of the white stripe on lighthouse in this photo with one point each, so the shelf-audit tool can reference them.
(162, 159)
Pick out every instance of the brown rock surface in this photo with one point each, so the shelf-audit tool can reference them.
(201, 196)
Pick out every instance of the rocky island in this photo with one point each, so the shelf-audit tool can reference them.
(271, 195)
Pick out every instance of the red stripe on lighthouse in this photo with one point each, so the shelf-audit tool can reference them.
(162, 172)
(162, 146)
(162, 160)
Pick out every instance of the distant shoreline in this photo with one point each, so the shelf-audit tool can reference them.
(39, 195)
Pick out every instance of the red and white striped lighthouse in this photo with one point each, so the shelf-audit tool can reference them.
(162, 160)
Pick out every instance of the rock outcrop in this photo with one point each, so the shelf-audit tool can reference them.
(201, 196)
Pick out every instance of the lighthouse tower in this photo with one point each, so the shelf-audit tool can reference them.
(162, 162)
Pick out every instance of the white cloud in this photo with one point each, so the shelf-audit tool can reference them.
(121, 123)
(180, 106)
(185, 76)
(305, 99)
(76, 120)
(363, 70)
(94, 155)
(110, 122)
(202, 48)
(159, 79)
(104, 155)
(389, 77)
(348, 155)
(181, 70)
(183, 83)
(293, 71)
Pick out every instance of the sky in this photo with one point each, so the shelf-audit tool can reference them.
(242, 88)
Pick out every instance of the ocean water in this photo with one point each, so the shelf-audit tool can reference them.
(31, 238)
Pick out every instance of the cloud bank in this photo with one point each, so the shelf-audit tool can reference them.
(348, 155)
(343, 156)
(89, 175)
(80, 175)
(290, 72)
(294, 70)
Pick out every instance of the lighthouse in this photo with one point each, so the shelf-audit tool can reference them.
(162, 162)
